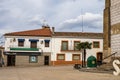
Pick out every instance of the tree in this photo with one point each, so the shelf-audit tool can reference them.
(83, 46)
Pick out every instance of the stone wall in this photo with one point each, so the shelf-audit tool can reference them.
(115, 44)
(115, 26)
(115, 29)
(23, 60)
(115, 11)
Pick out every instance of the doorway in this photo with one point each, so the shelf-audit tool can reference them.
(11, 60)
(46, 60)
(99, 58)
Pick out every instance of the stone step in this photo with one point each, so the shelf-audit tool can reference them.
(107, 66)
(95, 70)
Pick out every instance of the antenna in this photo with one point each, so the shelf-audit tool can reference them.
(82, 19)
(44, 22)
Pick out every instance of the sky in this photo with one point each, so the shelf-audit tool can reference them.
(64, 15)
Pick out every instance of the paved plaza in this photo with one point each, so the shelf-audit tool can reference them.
(51, 73)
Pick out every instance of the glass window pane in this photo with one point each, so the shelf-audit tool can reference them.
(96, 44)
(76, 57)
(21, 43)
(46, 44)
(64, 45)
(75, 45)
(60, 57)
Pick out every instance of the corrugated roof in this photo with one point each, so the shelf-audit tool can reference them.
(78, 34)
(45, 32)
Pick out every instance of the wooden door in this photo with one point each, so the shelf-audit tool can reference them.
(11, 60)
(46, 60)
(99, 56)
(99, 59)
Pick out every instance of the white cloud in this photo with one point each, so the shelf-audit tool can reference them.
(29, 14)
(88, 21)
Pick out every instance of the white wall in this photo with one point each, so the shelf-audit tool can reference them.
(56, 48)
(9, 42)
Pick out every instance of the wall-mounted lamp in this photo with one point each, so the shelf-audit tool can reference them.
(41, 42)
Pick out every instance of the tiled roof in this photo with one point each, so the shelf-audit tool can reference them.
(45, 32)
(78, 34)
(1, 47)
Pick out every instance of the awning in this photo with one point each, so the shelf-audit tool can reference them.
(21, 39)
(47, 41)
(33, 40)
(22, 53)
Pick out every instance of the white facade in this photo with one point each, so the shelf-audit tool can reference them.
(56, 47)
(51, 54)
(9, 43)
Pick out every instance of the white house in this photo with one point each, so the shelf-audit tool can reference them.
(64, 49)
(29, 48)
(46, 47)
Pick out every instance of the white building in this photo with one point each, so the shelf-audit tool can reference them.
(29, 48)
(64, 49)
(46, 47)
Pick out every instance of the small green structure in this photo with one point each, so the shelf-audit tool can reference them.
(91, 62)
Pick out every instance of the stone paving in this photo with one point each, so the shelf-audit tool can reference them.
(51, 73)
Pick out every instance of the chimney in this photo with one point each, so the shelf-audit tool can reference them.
(45, 26)
(53, 30)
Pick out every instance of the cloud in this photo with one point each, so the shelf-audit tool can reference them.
(88, 21)
(18, 15)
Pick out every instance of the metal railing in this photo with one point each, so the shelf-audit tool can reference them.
(110, 56)
(101, 62)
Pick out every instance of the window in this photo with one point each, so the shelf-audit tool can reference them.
(33, 59)
(60, 56)
(76, 56)
(96, 44)
(47, 43)
(64, 46)
(33, 44)
(21, 42)
(75, 45)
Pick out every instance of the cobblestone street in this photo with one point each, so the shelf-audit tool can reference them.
(51, 73)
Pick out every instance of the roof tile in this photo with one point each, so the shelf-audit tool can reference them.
(78, 34)
(45, 32)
